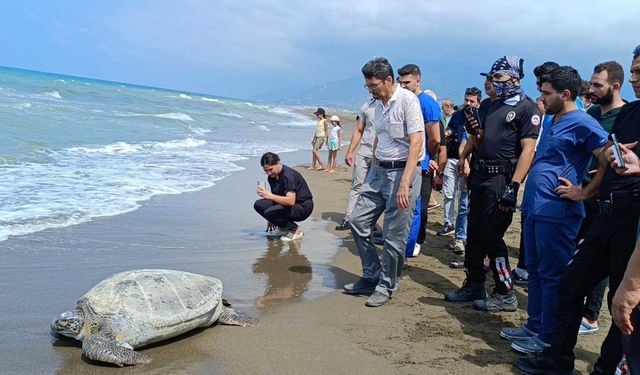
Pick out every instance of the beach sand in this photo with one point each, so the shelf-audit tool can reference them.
(306, 324)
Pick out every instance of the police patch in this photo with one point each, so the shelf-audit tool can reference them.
(535, 120)
(510, 116)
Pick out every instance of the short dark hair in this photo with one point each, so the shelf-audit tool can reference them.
(412, 69)
(615, 73)
(584, 88)
(379, 68)
(636, 52)
(545, 68)
(269, 158)
(473, 91)
(563, 78)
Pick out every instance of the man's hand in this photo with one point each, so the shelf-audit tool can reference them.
(467, 169)
(348, 159)
(569, 191)
(402, 197)
(437, 182)
(622, 306)
(631, 161)
(460, 167)
(433, 166)
(507, 202)
(472, 126)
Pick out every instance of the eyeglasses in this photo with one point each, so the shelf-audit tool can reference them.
(373, 86)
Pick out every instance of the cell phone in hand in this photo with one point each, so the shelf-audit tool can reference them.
(616, 151)
(473, 113)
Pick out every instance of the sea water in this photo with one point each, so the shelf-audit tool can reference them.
(73, 149)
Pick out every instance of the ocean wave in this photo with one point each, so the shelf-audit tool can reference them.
(175, 116)
(260, 106)
(171, 115)
(264, 128)
(53, 94)
(229, 114)
(199, 131)
(213, 100)
(61, 80)
(184, 96)
(129, 148)
(22, 105)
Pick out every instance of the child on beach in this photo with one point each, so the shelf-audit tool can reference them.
(335, 139)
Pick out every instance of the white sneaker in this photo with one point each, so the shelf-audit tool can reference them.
(292, 236)
(458, 247)
(416, 250)
(276, 233)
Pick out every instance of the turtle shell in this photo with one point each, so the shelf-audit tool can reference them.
(155, 298)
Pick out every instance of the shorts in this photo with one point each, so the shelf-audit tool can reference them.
(317, 143)
(333, 145)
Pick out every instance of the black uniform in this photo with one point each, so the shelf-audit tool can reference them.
(605, 251)
(492, 168)
(281, 216)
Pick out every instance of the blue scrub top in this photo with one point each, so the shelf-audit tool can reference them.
(430, 112)
(565, 150)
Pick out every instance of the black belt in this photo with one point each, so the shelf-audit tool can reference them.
(495, 166)
(393, 164)
(619, 201)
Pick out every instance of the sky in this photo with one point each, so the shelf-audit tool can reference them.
(274, 49)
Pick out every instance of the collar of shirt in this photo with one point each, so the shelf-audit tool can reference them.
(394, 97)
(512, 101)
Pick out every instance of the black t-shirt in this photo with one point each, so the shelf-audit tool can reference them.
(454, 134)
(505, 125)
(627, 130)
(290, 180)
(485, 106)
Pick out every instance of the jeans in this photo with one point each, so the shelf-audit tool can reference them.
(452, 184)
(378, 195)
(361, 166)
(549, 246)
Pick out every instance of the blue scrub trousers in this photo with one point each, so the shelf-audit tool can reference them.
(549, 245)
(415, 229)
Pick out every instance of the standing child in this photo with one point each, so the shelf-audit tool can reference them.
(335, 139)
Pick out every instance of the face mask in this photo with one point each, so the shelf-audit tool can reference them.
(506, 89)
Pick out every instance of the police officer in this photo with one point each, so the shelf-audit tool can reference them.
(505, 143)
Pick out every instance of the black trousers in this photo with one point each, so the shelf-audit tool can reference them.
(282, 216)
(631, 343)
(486, 225)
(425, 196)
(605, 251)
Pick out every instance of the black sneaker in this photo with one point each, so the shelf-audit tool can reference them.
(467, 293)
(344, 225)
(446, 229)
(541, 364)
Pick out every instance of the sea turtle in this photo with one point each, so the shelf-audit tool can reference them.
(139, 307)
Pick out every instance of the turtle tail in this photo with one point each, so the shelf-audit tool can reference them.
(105, 349)
(233, 317)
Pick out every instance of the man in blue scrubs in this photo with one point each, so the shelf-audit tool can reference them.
(551, 223)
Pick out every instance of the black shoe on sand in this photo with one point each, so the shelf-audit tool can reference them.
(344, 225)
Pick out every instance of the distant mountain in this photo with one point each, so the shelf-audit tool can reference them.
(350, 93)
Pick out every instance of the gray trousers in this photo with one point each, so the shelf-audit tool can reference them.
(378, 195)
(361, 166)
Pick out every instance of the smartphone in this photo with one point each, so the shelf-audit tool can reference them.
(616, 151)
(473, 113)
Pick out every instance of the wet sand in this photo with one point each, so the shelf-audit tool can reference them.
(307, 325)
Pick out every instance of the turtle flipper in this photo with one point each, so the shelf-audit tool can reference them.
(105, 349)
(233, 317)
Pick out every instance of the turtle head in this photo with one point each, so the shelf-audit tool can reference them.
(69, 323)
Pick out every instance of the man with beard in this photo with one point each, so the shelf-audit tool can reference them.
(550, 222)
(505, 143)
(604, 92)
(605, 250)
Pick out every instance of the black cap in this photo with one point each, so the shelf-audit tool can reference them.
(319, 111)
(485, 74)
